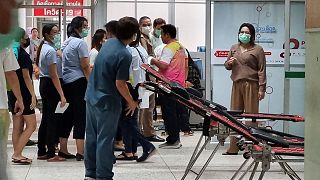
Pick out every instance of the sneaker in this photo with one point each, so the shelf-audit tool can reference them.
(147, 155)
(155, 138)
(166, 145)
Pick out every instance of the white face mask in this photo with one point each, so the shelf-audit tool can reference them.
(146, 30)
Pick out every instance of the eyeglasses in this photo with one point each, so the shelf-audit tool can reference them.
(145, 25)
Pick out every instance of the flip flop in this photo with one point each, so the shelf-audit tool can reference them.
(24, 161)
(123, 156)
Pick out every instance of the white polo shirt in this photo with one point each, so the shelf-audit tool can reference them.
(8, 62)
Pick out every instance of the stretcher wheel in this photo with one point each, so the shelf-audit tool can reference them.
(240, 145)
(246, 155)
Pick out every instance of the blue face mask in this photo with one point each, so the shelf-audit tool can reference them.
(84, 32)
(57, 41)
(244, 38)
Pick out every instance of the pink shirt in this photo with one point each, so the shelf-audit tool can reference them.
(175, 55)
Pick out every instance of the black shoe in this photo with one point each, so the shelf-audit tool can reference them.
(147, 155)
(79, 157)
(31, 143)
(67, 156)
(228, 153)
(155, 138)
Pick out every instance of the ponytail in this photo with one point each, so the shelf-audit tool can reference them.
(38, 52)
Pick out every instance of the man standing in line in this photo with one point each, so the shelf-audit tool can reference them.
(173, 64)
(106, 85)
(146, 114)
(8, 65)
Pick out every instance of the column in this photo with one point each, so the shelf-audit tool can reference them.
(312, 90)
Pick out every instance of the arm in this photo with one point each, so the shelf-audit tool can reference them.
(230, 59)
(159, 64)
(84, 62)
(56, 82)
(84, 59)
(186, 67)
(13, 81)
(124, 91)
(262, 74)
(29, 84)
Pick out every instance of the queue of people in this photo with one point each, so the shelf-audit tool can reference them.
(106, 104)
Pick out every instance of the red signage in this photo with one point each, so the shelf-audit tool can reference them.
(55, 11)
(221, 53)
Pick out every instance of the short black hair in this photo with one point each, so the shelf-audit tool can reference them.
(143, 18)
(252, 32)
(111, 26)
(169, 29)
(34, 29)
(97, 38)
(127, 27)
(76, 23)
(158, 21)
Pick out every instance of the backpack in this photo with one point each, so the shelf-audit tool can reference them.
(194, 74)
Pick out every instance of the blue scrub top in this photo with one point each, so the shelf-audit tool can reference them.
(112, 63)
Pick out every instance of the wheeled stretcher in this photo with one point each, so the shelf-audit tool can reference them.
(264, 146)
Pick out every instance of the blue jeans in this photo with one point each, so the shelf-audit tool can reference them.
(131, 133)
(101, 127)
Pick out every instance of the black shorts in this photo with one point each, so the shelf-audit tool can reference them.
(26, 102)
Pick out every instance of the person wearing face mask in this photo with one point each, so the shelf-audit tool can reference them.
(20, 136)
(76, 71)
(146, 114)
(97, 40)
(129, 124)
(155, 36)
(146, 29)
(50, 65)
(247, 63)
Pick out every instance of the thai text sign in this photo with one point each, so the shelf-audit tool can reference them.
(55, 11)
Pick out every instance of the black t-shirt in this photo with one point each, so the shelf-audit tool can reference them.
(25, 62)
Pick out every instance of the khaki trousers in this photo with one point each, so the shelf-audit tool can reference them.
(4, 128)
(245, 96)
(146, 118)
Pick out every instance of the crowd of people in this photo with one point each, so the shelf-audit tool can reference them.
(108, 108)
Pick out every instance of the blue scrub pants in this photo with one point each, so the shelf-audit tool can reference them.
(101, 127)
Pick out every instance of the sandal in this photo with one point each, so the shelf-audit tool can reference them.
(56, 159)
(24, 161)
(123, 156)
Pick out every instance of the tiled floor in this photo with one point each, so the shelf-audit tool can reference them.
(165, 165)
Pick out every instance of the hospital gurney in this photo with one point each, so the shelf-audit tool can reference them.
(264, 146)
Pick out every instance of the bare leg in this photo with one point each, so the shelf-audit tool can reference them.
(17, 129)
(31, 125)
(80, 146)
(64, 145)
